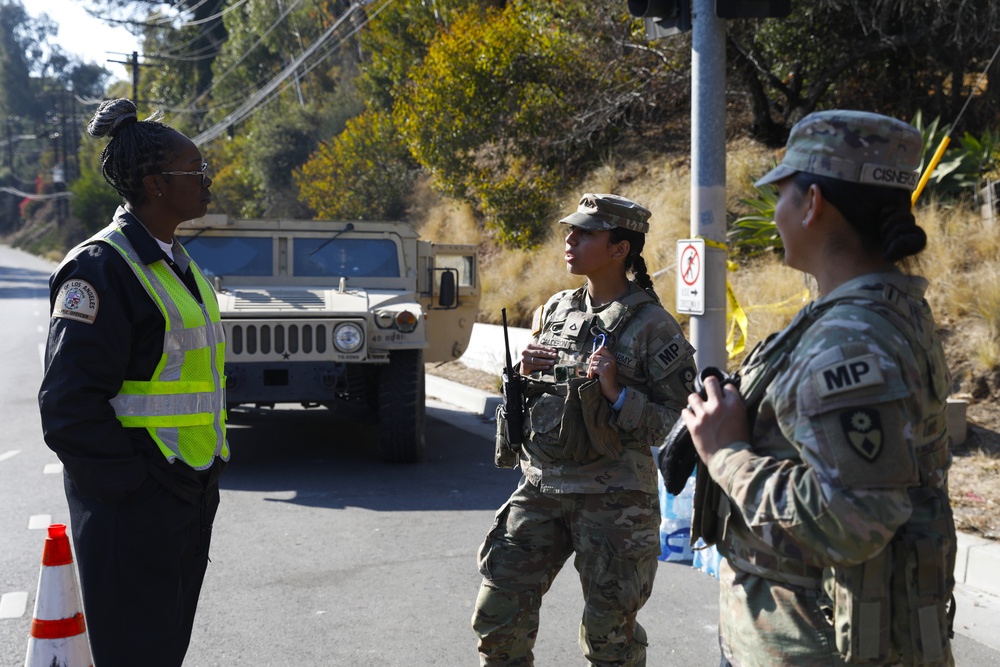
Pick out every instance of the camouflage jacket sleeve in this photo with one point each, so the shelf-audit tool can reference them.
(656, 367)
(832, 453)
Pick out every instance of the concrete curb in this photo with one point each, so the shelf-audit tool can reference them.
(978, 562)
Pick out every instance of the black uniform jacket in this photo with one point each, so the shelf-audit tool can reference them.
(86, 363)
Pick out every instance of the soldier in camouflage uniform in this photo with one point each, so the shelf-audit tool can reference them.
(834, 518)
(607, 374)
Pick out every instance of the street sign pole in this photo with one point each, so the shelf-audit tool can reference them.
(708, 177)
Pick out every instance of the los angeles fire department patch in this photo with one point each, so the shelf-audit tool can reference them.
(76, 300)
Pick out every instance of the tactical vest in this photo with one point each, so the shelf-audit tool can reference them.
(570, 330)
(896, 607)
(182, 406)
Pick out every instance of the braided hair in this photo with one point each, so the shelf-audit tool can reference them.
(880, 216)
(136, 150)
(634, 262)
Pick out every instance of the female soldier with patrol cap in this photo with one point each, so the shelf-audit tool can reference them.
(837, 533)
(607, 373)
(132, 398)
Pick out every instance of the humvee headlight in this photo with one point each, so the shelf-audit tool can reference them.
(384, 319)
(348, 337)
(406, 321)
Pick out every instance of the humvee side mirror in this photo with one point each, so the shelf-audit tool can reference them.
(447, 294)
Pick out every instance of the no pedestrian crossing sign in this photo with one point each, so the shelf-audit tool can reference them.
(691, 276)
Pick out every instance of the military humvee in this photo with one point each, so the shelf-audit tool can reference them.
(341, 315)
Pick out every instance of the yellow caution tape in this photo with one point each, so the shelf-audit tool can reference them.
(736, 341)
(739, 325)
(930, 169)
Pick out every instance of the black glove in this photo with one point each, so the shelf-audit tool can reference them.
(677, 456)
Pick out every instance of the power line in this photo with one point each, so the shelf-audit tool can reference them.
(244, 55)
(247, 108)
(36, 197)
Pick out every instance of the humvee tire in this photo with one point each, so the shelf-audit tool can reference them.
(401, 407)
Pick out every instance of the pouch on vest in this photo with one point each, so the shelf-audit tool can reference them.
(505, 455)
(898, 606)
(597, 415)
(861, 606)
(572, 430)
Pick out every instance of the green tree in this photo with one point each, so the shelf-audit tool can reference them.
(94, 201)
(489, 97)
(365, 173)
(892, 56)
(20, 46)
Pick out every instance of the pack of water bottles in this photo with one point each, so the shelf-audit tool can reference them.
(706, 558)
(675, 522)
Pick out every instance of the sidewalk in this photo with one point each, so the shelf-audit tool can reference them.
(977, 567)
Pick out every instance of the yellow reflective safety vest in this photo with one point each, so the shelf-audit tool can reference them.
(183, 405)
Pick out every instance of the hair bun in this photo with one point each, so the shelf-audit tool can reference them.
(111, 117)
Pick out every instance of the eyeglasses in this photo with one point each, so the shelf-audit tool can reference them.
(203, 173)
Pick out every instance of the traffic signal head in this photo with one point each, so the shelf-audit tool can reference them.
(663, 17)
(751, 9)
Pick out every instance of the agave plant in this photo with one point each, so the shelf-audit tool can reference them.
(963, 164)
(755, 233)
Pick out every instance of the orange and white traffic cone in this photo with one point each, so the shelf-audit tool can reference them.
(58, 631)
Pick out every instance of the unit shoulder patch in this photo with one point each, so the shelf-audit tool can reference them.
(847, 375)
(77, 300)
(863, 430)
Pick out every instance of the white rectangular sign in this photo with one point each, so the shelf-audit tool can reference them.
(691, 276)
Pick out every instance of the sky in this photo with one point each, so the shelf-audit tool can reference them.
(86, 37)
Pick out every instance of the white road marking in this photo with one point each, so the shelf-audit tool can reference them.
(13, 605)
(52, 468)
(39, 521)
(9, 455)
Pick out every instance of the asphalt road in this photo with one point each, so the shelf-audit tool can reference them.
(322, 554)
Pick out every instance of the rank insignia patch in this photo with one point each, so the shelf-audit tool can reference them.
(863, 429)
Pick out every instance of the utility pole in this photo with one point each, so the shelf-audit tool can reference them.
(701, 260)
(133, 63)
(708, 177)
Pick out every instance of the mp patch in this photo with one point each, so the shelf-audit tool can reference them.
(863, 430)
(77, 300)
(676, 349)
(847, 375)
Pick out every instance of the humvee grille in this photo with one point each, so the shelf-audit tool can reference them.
(284, 341)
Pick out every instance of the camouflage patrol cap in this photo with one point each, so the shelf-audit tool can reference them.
(854, 146)
(596, 212)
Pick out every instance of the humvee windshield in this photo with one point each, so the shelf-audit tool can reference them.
(311, 257)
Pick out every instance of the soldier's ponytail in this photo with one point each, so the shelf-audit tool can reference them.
(635, 262)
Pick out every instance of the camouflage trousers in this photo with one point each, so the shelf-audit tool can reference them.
(615, 537)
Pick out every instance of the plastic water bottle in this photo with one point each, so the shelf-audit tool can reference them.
(706, 559)
(675, 522)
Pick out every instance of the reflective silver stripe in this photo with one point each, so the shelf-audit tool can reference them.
(142, 270)
(217, 336)
(164, 405)
(170, 438)
(175, 344)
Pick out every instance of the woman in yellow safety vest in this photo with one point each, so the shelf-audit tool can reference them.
(133, 397)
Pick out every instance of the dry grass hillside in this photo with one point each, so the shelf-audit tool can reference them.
(962, 262)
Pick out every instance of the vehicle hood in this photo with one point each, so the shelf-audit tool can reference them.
(303, 301)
